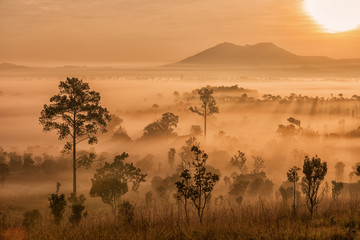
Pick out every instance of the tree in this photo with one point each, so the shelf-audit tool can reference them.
(57, 204)
(201, 184)
(356, 169)
(336, 189)
(195, 130)
(75, 112)
(294, 121)
(339, 166)
(292, 129)
(4, 172)
(163, 127)
(239, 161)
(186, 155)
(111, 181)
(184, 190)
(208, 105)
(171, 156)
(15, 161)
(258, 163)
(115, 127)
(28, 161)
(286, 192)
(315, 171)
(293, 177)
(164, 186)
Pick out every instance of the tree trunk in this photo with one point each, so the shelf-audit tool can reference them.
(205, 123)
(74, 157)
(199, 214)
(186, 213)
(294, 198)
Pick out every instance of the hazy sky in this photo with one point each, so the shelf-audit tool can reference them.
(84, 31)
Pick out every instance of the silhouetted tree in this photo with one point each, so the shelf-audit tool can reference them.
(294, 121)
(203, 182)
(184, 190)
(336, 189)
(292, 129)
(163, 127)
(239, 161)
(111, 181)
(355, 170)
(293, 177)
(208, 105)
(57, 204)
(315, 171)
(75, 112)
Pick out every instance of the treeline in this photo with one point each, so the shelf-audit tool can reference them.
(26, 166)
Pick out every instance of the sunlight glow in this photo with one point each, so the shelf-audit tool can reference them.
(334, 15)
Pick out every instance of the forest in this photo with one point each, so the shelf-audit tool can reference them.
(192, 171)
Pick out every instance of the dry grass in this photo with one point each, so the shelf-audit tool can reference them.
(164, 220)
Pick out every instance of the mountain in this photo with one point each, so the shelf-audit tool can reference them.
(11, 66)
(258, 54)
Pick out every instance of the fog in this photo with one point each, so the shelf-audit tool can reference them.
(136, 99)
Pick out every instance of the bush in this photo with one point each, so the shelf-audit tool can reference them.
(77, 208)
(126, 211)
(57, 204)
(31, 218)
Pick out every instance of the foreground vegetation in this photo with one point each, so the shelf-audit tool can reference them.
(226, 220)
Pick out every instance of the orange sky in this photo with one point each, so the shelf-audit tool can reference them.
(108, 31)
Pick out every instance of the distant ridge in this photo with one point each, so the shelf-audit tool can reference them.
(12, 66)
(259, 54)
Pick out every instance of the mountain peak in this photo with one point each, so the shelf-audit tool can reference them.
(264, 53)
(226, 44)
(264, 44)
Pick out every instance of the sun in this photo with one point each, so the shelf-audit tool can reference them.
(334, 15)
